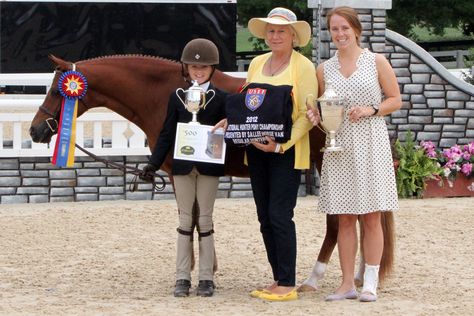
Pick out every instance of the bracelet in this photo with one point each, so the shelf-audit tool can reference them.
(277, 148)
(376, 110)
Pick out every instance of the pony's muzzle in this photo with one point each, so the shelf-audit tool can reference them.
(42, 133)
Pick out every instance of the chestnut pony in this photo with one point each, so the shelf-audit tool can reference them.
(138, 87)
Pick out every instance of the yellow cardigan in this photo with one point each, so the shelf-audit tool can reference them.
(300, 74)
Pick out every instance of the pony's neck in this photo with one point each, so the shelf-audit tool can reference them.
(122, 83)
(136, 87)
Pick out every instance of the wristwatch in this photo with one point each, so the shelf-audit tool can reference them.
(376, 109)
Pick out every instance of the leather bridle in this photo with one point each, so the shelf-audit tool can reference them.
(122, 167)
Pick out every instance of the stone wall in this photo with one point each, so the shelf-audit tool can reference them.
(436, 105)
(36, 180)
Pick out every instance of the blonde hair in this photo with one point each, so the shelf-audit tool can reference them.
(350, 15)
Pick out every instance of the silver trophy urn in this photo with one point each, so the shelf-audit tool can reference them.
(195, 99)
(332, 116)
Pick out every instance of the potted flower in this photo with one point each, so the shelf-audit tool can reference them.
(457, 177)
(414, 168)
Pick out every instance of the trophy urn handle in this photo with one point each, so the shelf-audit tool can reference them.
(205, 96)
(177, 94)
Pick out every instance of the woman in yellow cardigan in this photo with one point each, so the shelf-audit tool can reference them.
(275, 168)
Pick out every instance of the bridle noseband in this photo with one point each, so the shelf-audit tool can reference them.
(50, 120)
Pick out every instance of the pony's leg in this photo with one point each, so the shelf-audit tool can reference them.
(388, 256)
(359, 277)
(319, 268)
(317, 142)
(330, 239)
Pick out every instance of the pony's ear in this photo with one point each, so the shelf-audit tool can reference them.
(61, 64)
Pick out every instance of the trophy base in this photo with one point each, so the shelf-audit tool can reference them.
(332, 149)
(194, 123)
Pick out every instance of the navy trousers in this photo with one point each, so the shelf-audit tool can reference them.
(275, 184)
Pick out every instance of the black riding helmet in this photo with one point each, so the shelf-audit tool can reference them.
(200, 51)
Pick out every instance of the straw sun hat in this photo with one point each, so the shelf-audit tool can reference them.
(281, 16)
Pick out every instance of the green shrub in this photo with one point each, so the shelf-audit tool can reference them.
(414, 168)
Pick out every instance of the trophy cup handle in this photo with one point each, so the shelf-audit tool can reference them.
(209, 100)
(312, 102)
(177, 94)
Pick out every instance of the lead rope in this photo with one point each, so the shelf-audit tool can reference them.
(127, 169)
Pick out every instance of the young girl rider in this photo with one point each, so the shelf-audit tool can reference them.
(193, 180)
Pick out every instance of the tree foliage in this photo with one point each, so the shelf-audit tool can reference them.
(435, 15)
(468, 75)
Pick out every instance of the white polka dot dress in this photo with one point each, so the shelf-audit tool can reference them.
(360, 179)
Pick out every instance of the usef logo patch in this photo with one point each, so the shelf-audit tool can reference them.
(254, 98)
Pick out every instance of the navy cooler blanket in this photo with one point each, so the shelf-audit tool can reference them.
(259, 110)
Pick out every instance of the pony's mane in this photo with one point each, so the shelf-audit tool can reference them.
(118, 56)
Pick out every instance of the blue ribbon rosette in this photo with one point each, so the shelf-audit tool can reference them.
(72, 86)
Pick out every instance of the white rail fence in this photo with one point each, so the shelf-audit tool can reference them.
(456, 56)
(17, 112)
(112, 135)
(125, 139)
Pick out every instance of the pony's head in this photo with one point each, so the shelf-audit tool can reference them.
(46, 121)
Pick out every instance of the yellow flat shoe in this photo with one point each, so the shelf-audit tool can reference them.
(257, 293)
(290, 296)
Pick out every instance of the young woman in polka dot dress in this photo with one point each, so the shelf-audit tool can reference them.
(360, 180)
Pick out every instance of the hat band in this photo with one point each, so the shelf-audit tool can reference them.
(284, 17)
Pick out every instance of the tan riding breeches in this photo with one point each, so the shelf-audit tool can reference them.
(189, 188)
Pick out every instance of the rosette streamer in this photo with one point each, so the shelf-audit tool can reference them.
(72, 86)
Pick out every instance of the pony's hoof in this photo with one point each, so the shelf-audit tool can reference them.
(306, 288)
(358, 282)
(257, 293)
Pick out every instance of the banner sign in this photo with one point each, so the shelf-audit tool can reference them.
(258, 111)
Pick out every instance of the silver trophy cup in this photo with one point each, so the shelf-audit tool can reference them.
(332, 116)
(195, 99)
